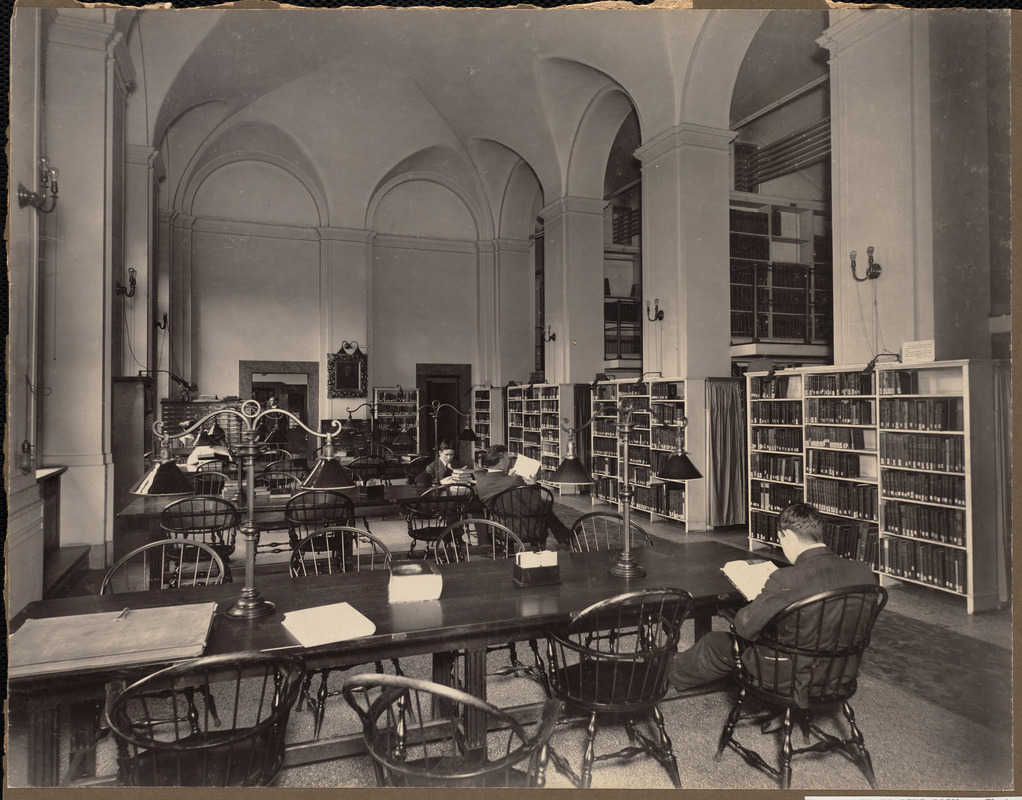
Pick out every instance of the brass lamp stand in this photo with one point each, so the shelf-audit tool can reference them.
(172, 482)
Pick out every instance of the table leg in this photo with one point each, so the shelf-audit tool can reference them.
(475, 684)
(703, 623)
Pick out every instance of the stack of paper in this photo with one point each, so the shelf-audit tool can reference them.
(336, 622)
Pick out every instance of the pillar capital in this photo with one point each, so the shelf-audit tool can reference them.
(572, 205)
(685, 135)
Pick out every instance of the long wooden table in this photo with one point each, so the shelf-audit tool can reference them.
(140, 519)
(480, 606)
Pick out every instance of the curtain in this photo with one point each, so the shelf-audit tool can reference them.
(1002, 472)
(583, 411)
(726, 464)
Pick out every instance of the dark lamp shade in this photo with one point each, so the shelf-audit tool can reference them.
(350, 424)
(346, 440)
(328, 474)
(204, 440)
(468, 435)
(679, 468)
(571, 470)
(404, 438)
(165, 478)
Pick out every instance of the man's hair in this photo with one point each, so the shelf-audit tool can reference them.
(804, 521)
(445, 445)
(493, 455)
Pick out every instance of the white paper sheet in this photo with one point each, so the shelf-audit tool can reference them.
(336, 622)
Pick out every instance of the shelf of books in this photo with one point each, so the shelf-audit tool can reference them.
(535, 412)
(486, 419)
(395, 412)
(901, 460)
(840, 439)
(776, 455)
(939, 487)
(658, 416)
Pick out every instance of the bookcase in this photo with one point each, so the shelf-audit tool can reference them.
(938, 485)
(487, 410)
(900, 460)
(395, 412)
(535, 412)
(659, 412)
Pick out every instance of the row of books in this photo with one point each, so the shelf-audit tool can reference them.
(639, 436)
(921, 414)
(926, 487)
(669, 413)
(605, 465)
(832, 437)
(776, 412)
(776, 467)
(605, 489)
(666, 391)
(770, 388)
(773, 496)
(788, 440)
(857, 500)
(838, 383)
(665, 437)
(840, 411)
(858, 541)
(605, 445)
(928, 563)
(661, 499)
(898, 381)
(763, 527)
(945, 525)
(639, 475)
(923, 452)
(836, 463)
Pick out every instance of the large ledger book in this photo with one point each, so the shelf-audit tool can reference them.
(749, 576)
(88, 641)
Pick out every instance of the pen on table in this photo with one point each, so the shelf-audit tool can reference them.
(123, 615)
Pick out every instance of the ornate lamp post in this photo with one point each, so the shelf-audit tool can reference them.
(165, 478)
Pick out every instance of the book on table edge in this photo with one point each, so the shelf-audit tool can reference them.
(88, 641)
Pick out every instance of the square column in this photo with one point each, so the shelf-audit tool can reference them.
(686, 183)
(573, 270)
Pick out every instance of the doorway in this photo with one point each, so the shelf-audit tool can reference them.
(451, 385)
(295, 384)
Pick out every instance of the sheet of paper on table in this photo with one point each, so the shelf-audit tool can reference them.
(335, 622)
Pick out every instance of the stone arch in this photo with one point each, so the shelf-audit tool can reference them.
(595, 136)
(483, 224)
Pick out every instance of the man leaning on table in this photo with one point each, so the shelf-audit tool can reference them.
(814, 568)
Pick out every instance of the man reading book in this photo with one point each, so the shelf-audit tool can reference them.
(814, 568)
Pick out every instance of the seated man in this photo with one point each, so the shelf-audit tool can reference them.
(497, 461)
(443, 465)
(814, 568)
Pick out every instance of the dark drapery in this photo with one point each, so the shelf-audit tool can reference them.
(726, 468)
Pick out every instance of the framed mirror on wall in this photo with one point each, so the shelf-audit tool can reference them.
(347, 373)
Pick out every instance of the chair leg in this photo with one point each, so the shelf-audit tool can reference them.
(666, 756)
(865, 762)
(786, 750)
(411, 549)
(320, 705)
(729, 729)
(590, 753)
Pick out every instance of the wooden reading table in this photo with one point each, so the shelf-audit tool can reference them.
(480, 606)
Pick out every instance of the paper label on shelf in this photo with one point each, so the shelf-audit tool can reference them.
(918, 352)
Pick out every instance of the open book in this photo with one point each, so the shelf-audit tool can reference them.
(749, 576)
(527, 467)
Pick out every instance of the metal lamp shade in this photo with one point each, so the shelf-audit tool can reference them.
(164, 479)
(468, 435)
(679, 468)
(571, 470)
(328, 474)
(404, 438)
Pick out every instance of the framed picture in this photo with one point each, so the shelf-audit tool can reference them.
(347, 374)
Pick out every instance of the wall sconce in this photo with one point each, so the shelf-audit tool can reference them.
(129, 290)
(23, 460)
(550, 337)
(872, 268)
(161, 325)
(658, 313)
(47, 179)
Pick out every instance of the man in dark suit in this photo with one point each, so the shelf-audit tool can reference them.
(814, 568)
(496, 461)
